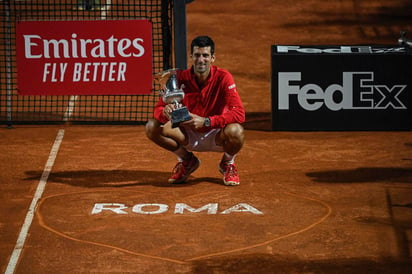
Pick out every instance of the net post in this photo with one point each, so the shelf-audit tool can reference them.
(180, 28)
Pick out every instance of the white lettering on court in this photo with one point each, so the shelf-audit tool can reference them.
(211, 208)
(116, 208)
(242, 207)
(161, 208)
(180, 208)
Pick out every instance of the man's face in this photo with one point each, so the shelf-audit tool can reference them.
(202, 59)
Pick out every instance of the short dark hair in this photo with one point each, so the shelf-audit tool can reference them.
(201, 42)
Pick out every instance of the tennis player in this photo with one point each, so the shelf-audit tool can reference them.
(217, 113)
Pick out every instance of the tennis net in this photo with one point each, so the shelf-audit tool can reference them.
(83, 108)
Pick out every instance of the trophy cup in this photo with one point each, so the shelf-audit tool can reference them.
(172, 94)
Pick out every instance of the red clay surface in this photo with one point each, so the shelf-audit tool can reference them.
(309, 202)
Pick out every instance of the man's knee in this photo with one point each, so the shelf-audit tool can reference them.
(152, 128)
(234, 131)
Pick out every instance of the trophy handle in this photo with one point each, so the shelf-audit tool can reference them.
(173, 96)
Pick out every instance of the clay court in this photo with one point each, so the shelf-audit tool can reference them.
(309, 202)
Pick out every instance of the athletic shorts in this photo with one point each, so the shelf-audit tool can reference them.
(202, 141)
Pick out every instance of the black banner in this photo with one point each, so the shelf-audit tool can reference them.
(341, 88)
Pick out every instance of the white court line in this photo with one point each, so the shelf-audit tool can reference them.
(15, 256)
(70, 108)
(105, 9)
(37, 196)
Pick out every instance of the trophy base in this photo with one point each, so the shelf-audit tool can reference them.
(180, 115)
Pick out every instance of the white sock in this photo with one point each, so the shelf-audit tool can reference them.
(230, 159)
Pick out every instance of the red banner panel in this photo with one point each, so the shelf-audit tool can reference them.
(84, 57)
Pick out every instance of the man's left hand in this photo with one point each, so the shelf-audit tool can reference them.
(196, 122)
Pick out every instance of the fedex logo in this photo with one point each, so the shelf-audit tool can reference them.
(357, 91)
(341, 49)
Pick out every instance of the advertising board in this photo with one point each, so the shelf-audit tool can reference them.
(341, 88)
(84, 57)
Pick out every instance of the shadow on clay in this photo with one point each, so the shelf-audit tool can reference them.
(363, 175)
(116, 178)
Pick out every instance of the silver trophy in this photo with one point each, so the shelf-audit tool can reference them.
(172, 94)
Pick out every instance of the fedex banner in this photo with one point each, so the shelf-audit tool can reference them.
(84, 57)
(341, 88)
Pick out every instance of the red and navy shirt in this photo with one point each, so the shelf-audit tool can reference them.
(217, 98)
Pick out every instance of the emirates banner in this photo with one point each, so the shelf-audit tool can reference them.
(84, 57)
